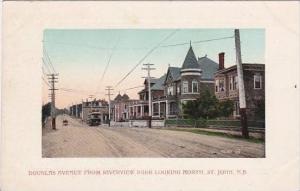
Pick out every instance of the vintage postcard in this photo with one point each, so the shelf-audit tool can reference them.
(150, 96)
(191, 110)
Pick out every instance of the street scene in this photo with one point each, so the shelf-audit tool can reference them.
(172, 93)
(80, 140)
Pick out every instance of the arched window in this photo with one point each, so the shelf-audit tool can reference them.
(194, 86)
(185, 87)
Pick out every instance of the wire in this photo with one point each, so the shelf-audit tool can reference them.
(109, 59)
(49, 61)
(196, 42)
(132, 88)
(148, 53)
(46, 82)
(46, 66)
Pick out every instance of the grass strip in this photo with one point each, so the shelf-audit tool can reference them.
(220, 134)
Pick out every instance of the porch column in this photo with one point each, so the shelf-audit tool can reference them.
(159, 109)
(115, 115)
(142, 110)
(134, 111)
(141, 114)
(152, 110)
(167, 109)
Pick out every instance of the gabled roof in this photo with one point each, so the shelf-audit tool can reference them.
(118, 97)
(208, 67)
(125, 97)
(174, 72)
(152, 81)
(190, 60)
(159, 83)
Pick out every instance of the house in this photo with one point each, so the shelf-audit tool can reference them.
(226, 85)
(184, 83)
(170, 91)
(120, 108)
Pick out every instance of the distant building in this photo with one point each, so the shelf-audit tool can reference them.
(82, 110)
(226, 85)
(120, 107)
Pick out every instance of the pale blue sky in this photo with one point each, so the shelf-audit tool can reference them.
(80, 56)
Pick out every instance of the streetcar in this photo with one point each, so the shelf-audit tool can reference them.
(94, 119)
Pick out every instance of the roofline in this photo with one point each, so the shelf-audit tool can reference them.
(234, 66)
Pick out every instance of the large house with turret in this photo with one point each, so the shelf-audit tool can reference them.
(170, 91)
(184, 83)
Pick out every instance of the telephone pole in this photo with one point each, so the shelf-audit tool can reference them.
(91, 96)
(109, 88)
(52, 80)
(242, 97)
(148, 68)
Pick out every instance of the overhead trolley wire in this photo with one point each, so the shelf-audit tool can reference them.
(48, 58)
(148, 53)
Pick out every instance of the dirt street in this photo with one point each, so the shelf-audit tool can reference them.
(79, 140)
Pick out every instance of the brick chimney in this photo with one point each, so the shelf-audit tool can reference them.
(221, 60)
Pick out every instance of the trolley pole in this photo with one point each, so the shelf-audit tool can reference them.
(242, 97)
(109, 88)
(148, 68)
(52, 80)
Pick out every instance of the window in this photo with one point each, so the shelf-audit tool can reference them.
(178, 89)
(185, 87)
(170, 90)
(221, 85)
(194, 86)
(217, 86)
(233, 83)
(257, 81)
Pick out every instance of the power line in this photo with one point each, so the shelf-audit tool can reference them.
(46, 82)
(92, 46)
(46, 66)
(148, 53)
(49, 61)
(109, 59)
(196, 42)
(132, 88)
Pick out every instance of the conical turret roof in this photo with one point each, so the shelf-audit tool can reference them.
(190, 60)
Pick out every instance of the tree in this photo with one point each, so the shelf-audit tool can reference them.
(207, 106)
(46, 111)
(204, 107)
(225, 108)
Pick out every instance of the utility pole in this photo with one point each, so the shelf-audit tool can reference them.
(52, 80)
(242, 97)
(91, 96)
(148, 68)
(109, 88)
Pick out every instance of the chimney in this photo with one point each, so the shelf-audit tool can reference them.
(221, 60)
